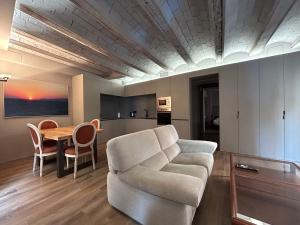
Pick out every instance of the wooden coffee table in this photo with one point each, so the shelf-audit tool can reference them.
(269, 196)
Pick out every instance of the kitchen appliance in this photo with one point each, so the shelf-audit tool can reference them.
(132, 114)
(164, 109)
(163, 118)
(164, 104)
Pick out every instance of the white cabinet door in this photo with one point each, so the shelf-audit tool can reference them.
(163, 88)
(271, 108)
(180, 97)
(228, 108)
(248, 104)
(292, 106)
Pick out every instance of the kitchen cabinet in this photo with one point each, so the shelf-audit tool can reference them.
(163, 88)
(271, 108)
(179, 86)
(228, 95)
(260, 107)
(292, 106)
(134, 125)
(248, 107)
(141, 88)
(112, 128)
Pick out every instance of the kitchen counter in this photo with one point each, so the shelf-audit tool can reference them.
(144, 118)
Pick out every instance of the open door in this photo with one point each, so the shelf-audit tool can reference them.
(205, 108)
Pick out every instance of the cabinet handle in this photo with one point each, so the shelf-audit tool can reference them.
(283, 114)
(238, 114)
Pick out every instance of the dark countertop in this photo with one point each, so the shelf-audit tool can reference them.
(131, 118)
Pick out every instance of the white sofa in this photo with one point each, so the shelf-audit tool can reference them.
(157, 178)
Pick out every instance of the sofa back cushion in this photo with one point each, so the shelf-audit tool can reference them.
(156, 162)
(167, 137)
(173, 151)
(130, 150)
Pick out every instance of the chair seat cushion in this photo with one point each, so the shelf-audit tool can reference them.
(201, 158)
(81, 150)
(191, 170)
(49, 146)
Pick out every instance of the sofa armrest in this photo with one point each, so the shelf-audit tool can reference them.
(194, 146)
(175, 187)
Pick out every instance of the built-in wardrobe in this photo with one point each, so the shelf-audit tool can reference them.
(260, 107)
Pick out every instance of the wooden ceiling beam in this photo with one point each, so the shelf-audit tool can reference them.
(17, 45)
(280, 11)
(154, 15)
(36, 41)
(296, 43)
(23, 37)
(216, 19)
(6, 16)
(20, 39)
(86, 7)
(79, 39)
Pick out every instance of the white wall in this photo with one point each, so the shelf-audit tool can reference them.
(78, 98)
(14, 137)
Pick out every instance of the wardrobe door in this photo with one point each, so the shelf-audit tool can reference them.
(248, 104)
(271, 108)
(292, 106)
(228, 108)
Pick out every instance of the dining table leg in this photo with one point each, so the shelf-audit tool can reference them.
(60, 159)
(95, 145)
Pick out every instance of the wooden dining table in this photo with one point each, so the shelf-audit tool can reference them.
(61, 135)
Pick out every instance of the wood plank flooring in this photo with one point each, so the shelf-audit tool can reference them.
(27, 199)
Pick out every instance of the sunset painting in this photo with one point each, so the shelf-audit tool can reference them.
(35, 98)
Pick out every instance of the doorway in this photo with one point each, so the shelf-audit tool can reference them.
(205, 108)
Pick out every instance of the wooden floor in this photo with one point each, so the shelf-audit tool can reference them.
(28, 199)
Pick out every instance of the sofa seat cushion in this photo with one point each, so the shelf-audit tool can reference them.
(191, 170)
(201, 158)
(172, 186)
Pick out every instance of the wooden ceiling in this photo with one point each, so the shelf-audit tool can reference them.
(146, 39)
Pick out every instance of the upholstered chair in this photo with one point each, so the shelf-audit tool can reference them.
(47, 124)
(42, 148)
(96, 123)
(83, 138)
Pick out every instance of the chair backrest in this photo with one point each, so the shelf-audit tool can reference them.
(35, 136)
(84, 135)
(96, 123)
(47, 124)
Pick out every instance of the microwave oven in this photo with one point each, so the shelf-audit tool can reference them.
(164, 104)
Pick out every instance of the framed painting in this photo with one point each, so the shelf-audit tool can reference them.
(26, 98)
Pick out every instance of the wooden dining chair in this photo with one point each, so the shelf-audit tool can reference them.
(83, 138)
(41, 148)
(47, 124)
(96, 123)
